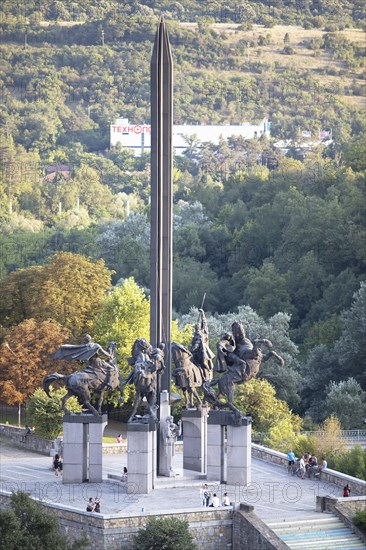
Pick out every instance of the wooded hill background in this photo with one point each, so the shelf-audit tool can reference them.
(252, 226)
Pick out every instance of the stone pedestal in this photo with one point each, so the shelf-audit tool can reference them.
(228, 461)
(216, 450)
(195, 440)
(141, 457)
(239, 457)
(83, 448)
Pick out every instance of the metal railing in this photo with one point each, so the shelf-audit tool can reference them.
(354, 435)
(345, 434)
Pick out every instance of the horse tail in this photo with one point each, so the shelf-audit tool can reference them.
(47, 381)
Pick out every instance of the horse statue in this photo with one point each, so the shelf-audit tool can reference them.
(148, 364)
(97, 378)
(239, 359)
(188, 376)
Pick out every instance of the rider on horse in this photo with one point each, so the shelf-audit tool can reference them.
(228, 359)
(89, 351)
(244, 347)
(202, 355)
(145, 357)
(147, 363)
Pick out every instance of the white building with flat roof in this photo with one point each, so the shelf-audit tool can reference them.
(138, 136)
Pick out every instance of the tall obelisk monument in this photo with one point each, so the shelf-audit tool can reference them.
(161, 196)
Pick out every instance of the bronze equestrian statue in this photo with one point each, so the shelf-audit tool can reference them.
(187, 375)
(98, 377)
(147, 363)
(239, 358)
(195, 365)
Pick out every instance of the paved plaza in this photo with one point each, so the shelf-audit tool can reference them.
(272, 492)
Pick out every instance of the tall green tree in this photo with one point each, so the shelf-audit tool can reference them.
(347, 401)
(267, 292)
(258, 398)
(124, 317)
(351, 347)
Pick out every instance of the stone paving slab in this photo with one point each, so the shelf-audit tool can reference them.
(273, 492)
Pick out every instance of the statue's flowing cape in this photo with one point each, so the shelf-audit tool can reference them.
(82, 352)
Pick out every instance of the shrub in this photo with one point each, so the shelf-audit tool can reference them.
(46, 413)
(25, 524)
(351, 462)
(304, 443)
(167, 533)
(360, 520)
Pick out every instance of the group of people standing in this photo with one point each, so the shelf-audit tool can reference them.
(211, 499)
(307, 464)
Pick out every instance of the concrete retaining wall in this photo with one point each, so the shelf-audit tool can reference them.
(121, 448)
(251, 533)
(45, 446)
(211, 529)
(332, 476)
(31, 442)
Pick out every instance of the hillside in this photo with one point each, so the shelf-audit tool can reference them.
(253, 226)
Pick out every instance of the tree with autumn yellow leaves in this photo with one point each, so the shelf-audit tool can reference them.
(329, 439)
(25, 358)
(69, 289)
(258, 397)
(270, 415)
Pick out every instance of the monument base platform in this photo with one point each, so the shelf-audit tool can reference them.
(229, 448)
(194, 439)
(83, 448)
(141, 456)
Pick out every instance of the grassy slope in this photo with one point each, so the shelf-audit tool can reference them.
(303, 58)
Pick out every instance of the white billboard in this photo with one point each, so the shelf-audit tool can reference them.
(138, 136)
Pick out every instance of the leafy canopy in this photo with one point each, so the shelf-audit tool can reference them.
(257, 397)
(168, 533)
(25, 524)
(46, 413)
(25, 358)
(68, 289)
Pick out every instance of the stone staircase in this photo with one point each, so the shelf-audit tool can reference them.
(318, 532)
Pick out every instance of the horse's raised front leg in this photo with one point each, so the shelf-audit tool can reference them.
(278, 358)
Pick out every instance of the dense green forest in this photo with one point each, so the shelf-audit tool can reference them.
(252, 226)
